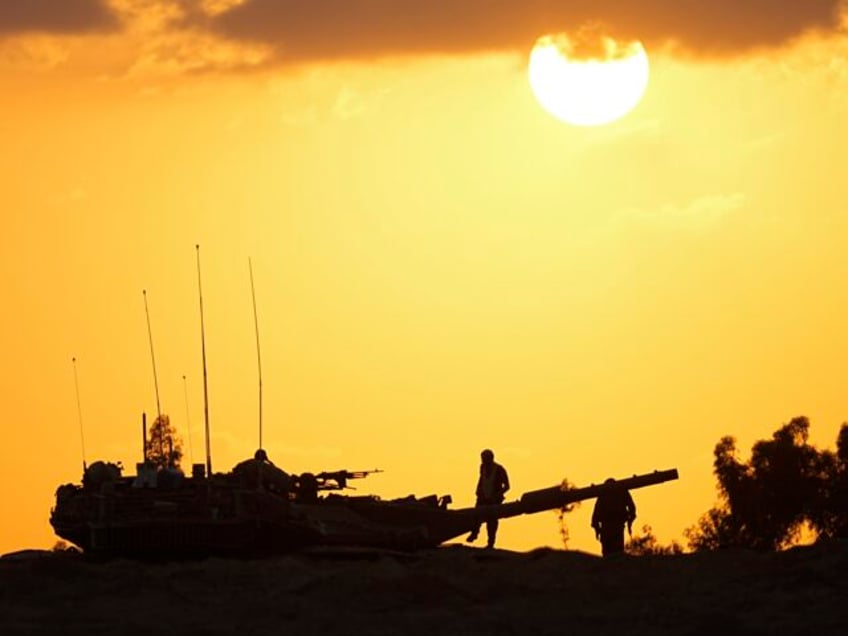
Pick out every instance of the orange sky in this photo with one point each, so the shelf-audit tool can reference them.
(440, 265)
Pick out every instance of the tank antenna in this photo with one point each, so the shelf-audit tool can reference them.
(188, 421)
(258, 356)
(79, 413)
(205, 386)
(152, 357)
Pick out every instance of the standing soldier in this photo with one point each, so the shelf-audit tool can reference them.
(613, 509)
(491, 487)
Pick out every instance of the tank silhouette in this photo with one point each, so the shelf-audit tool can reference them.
(165, 514)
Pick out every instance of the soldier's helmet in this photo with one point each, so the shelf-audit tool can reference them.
(261, 455)
(487, 455)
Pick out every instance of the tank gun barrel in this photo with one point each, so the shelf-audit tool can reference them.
(557, 497)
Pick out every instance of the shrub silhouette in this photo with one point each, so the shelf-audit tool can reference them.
(646, 543)
(564, 533)
(786, 484)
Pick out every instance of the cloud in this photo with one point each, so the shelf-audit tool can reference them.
(33, 53)
(55, 16)
(303, 30)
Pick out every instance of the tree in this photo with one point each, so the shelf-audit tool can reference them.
(830, 515)
(766, 501)
(164, 446)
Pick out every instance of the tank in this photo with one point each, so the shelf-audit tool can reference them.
(258, 509)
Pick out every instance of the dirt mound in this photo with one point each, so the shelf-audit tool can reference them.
(451, 590)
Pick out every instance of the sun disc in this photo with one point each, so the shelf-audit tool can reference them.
(588, 89)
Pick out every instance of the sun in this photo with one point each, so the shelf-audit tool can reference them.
(588, 79)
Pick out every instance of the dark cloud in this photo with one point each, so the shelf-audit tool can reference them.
(327, 29)
(54, 16)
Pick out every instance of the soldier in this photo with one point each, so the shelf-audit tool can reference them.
(613, 509)
(260, 472)
(491, 487)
